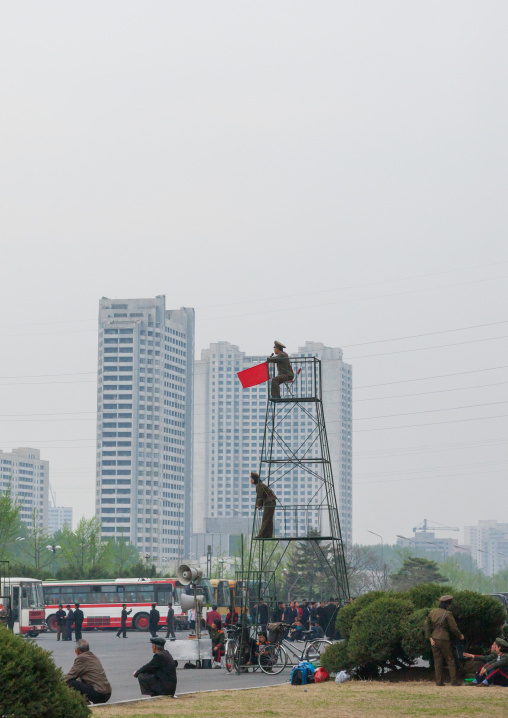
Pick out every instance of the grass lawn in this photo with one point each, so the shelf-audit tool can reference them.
(355, 699)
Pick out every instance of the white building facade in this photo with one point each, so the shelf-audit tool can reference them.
(28, 477)
(488, 542)
(58, 517)
(144, 425)
(229, 427)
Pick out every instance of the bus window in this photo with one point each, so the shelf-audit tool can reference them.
(139, 594)
(25, 593)
(75, 594)
(111, 594)
(164, 596)
(51, 595)
(223, 594)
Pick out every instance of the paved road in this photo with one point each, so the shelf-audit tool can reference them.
(121, 657)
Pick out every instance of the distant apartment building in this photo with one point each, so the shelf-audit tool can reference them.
(144, 425)
(488, 542)
(28, 477)
(58, 517)
(428, 542)
(229, 425)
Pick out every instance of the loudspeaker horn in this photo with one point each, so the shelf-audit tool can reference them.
(187, 602)
(186, 574)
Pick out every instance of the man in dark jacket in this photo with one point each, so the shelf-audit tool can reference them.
(123, 621)
(78, 620)
(170, 621)
(153, 620)
(266, 500)
(284, 368)
(261, 614)
(158, 677)
(69, 620)
(305, 615)
(60, 622)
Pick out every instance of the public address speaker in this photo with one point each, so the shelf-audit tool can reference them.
(187, 602)
(187, 575)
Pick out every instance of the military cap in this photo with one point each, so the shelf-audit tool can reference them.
(158, 641)
(502, 643)
(446, 598)
(279, 345)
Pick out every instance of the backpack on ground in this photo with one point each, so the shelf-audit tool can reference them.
(302, 674)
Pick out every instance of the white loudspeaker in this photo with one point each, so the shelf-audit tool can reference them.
(186, 574)
(187, 602)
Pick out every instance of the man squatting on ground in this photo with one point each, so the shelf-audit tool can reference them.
(494, 672)
(266, 500)
(440, 628)
(158, 677)
(87, 675)
(284, 369)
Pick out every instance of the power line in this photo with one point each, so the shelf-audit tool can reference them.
(426, 478)
(38, 376)
(430, 411)
(427, 378)
(432, 423)
(436, 346)
(426, 393)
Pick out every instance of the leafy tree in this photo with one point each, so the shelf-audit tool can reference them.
(124, 557)
(34, 545)
(85, 553)
(10, 522)
(425, 595)
(416, 570)
(30, 683)
(366, 569)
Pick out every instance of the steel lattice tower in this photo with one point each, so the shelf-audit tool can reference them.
(303, 459)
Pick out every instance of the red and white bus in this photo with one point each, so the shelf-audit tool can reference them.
(22, 605)
(101, 601)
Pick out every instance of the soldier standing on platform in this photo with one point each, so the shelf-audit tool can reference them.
(284, 368)
(266, 500)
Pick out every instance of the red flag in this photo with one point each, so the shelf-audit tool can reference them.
(253, 376)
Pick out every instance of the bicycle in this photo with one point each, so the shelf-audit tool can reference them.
(275, 657)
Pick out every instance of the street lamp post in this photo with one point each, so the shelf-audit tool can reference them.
(54, 549)
(405, 538)
(382, 557)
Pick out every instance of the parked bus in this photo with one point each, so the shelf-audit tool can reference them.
(224, 591)
(22, 605)
(101, 601)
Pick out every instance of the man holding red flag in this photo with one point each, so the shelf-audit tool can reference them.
(284, 368)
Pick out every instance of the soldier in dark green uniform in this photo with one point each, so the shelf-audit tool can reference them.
(266, 500)
(495, 665)
(284, 368)
(440, 628)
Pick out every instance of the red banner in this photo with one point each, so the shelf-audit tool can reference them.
(254, 375)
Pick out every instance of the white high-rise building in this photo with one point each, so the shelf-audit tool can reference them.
(488, 542)
(229, 427)
(58, 517)
(28, 477)
(144, 425)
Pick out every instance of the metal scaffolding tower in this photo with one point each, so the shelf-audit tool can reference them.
(295, 461)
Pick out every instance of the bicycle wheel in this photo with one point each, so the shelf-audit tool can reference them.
(273, 660)
(230, 656)
(315, 649)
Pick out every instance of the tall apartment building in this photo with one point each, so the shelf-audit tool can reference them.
(28, 477)
(229, 427)
(58, 517)
(144, 425)
(488, 542)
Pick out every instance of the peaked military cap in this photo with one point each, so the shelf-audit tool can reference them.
(158, 641)
(279, 345)
(447, 597)
(502, 643)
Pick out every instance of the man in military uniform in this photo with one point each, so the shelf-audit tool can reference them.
(440, 628)
(123, 621)
(266, 500)
(218, 640)
(158, 677)
(170, 622)
(284, 369)
(494, 672)
(153, 620)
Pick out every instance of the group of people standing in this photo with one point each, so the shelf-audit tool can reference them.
(314, 615)
(67, 620)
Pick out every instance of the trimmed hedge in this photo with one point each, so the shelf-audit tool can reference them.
(426, 595)
(30, 683)
(335, 658)
(480, 618)
(376, 634)
(414, 642)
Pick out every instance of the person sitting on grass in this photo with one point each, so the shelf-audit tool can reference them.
(296, 630)
(494, 672)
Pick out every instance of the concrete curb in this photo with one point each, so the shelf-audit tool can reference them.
(189, 693)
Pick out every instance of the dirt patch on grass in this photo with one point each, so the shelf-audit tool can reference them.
(355, 699)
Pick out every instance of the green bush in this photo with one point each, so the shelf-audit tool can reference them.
(414, 642)
(376, 634)
(335, 658)
(347, 615)
(425, 595)
(31, 684)
(480, 618)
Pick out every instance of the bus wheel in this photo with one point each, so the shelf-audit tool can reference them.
(33, 634)
(51, 623)
(141, 621)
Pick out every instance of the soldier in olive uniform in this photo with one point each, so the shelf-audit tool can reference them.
(495, 668)
(284, 369)
(440, 628)
(266, 500)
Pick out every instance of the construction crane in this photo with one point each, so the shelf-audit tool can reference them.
(424, 526)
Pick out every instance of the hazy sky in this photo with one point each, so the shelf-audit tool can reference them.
(333, 171)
